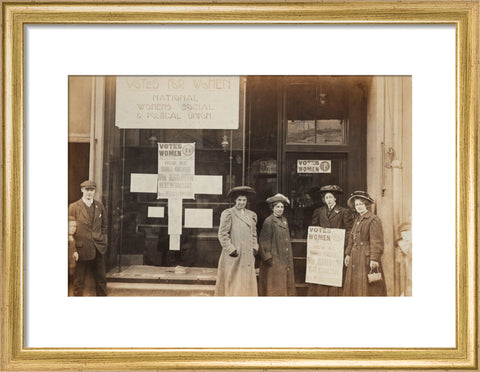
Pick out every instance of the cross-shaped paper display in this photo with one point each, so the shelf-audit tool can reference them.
(176, 180)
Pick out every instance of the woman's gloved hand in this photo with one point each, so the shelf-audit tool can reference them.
(234, 253)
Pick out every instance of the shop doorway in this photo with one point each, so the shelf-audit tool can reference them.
(305, 173)
(322, 142)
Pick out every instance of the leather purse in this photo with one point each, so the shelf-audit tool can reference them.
(374, 276)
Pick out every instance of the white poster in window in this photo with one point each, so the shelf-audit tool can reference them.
(199, 218)
(177, 102)
(176, 170)
(314, 166)
(325, 256)
(156, 212)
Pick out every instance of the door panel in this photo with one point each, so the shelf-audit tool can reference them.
(300, 187)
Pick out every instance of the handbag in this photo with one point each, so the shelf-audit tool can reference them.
(374, 276)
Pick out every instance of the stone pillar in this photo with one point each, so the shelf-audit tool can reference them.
(97, 133)
(389, 165)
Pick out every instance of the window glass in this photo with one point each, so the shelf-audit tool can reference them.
(330, 132)
(301, 131)
(262, 171)
(145, 221)
(322, 132)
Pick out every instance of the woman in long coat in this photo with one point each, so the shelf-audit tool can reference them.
(364, 250)
(237, 234)
(331, 216)
(276, 265)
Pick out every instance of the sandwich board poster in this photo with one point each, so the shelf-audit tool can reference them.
(325, 256)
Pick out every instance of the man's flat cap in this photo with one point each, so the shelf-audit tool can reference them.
(88, 184)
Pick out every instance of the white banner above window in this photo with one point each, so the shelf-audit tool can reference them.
(177, 102)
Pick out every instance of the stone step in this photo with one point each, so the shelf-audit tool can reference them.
(165, 275)
(143, 280)
(158, 289)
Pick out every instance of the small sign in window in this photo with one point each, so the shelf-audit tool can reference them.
(268, 167)
(314, 166)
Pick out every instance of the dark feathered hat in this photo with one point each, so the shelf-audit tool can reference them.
(334, 189)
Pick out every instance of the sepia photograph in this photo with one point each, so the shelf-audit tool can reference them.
(234, 185)
(240, 185)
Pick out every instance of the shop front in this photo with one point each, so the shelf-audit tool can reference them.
(166, 157)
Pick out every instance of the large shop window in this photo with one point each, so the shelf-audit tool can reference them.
(142, 221)
(146, 218)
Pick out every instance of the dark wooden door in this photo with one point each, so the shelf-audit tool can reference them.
(303, 181)
(323, 124)
(78, 163)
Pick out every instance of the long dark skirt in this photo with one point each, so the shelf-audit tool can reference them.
(356, 280)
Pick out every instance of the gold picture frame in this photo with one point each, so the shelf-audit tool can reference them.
(463, 14)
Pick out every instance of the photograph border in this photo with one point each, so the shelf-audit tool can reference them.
(463, 14)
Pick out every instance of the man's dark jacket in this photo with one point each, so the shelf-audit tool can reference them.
(90, 235)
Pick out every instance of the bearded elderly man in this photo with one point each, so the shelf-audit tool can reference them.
(90, 239)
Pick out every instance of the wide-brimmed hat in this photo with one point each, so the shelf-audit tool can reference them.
(240, 190)
(278, 198)
(334, 189)
(88, 184)
(359, 195)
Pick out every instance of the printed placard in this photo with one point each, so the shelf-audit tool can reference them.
(325, 256)
(314, 166)
(176, 170)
